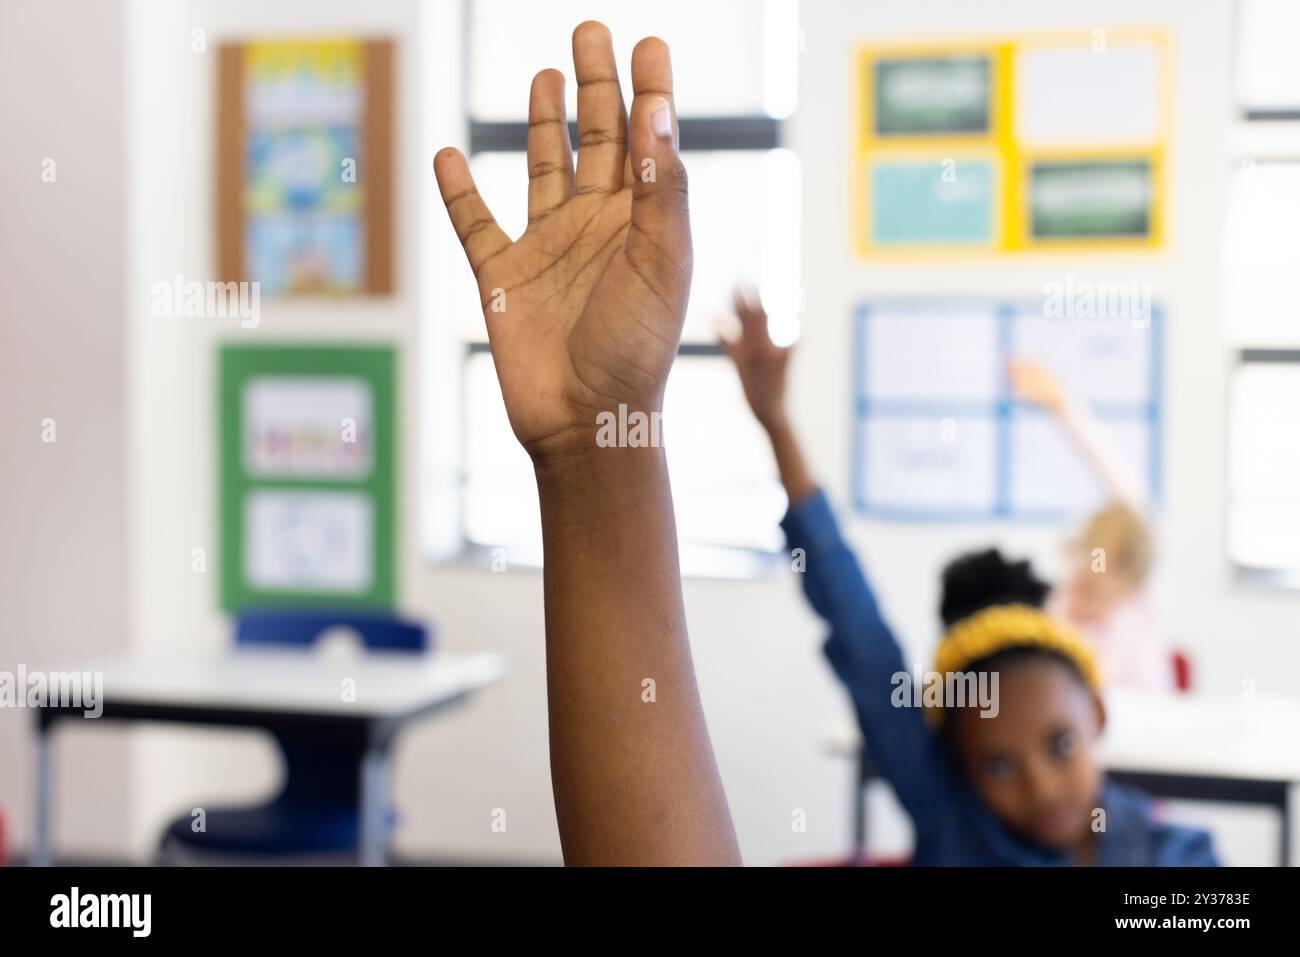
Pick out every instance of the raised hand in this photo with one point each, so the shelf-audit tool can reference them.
(584, 311)
(760, 363)
(1035, 384)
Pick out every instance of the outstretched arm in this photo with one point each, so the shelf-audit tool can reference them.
(1035, 384)
(861, 647)
(584, 313)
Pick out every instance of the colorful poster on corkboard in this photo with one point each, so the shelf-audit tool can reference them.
(304, 148)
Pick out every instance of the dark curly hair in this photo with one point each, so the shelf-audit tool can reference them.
(977, 580)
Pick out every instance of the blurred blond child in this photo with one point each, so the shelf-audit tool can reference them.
(1107, 592)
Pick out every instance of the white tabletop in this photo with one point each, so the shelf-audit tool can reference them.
(1205, 735)
(1200, 735)
(382, 684)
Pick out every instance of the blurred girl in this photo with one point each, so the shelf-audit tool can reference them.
(994, 752)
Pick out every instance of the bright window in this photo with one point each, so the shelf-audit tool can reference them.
(745, 227)
(1261, 311)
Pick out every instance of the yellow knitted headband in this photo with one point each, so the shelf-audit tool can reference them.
(1003, 627)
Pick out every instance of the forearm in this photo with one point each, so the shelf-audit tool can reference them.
(865, 655)
(1087, 437)
(631, 766)
(790, 461)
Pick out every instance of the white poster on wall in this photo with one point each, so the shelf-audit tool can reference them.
(308, 427)
(308, 541)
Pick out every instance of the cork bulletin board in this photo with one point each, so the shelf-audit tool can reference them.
(304, 151)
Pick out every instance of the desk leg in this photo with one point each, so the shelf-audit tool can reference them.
(42, 853)
(1290, 833)
(374, 805)
(860, 774)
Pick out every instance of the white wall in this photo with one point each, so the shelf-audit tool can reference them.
(171, 150)
(766, 691)
(63, 530)
(1184, 278)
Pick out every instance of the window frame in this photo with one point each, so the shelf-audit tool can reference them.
(1260, 136)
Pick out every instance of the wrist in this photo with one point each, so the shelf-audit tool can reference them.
(557, 449)
(776, 424)
(589, 479)
(601, 492)
(621, 424)
(1063, 409)
(774, 420)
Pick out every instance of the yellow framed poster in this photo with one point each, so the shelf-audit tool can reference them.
(1054, 142)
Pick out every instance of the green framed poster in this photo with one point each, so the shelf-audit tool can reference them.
(307, 476)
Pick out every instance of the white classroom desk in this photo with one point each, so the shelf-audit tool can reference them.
(1193, 746)
(273, 689)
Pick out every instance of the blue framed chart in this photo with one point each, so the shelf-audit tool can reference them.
(938, 434)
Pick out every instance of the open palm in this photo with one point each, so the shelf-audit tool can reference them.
(585, 310)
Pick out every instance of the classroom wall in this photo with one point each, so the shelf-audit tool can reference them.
(63, 527)
(171, 196)
(768, 696)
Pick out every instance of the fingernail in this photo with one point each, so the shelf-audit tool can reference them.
(661, 120)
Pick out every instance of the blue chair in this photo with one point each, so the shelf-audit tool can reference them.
(317, 811)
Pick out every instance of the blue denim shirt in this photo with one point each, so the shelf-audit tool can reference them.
(953, 826)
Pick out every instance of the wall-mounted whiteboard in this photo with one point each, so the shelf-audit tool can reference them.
(939, 435)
